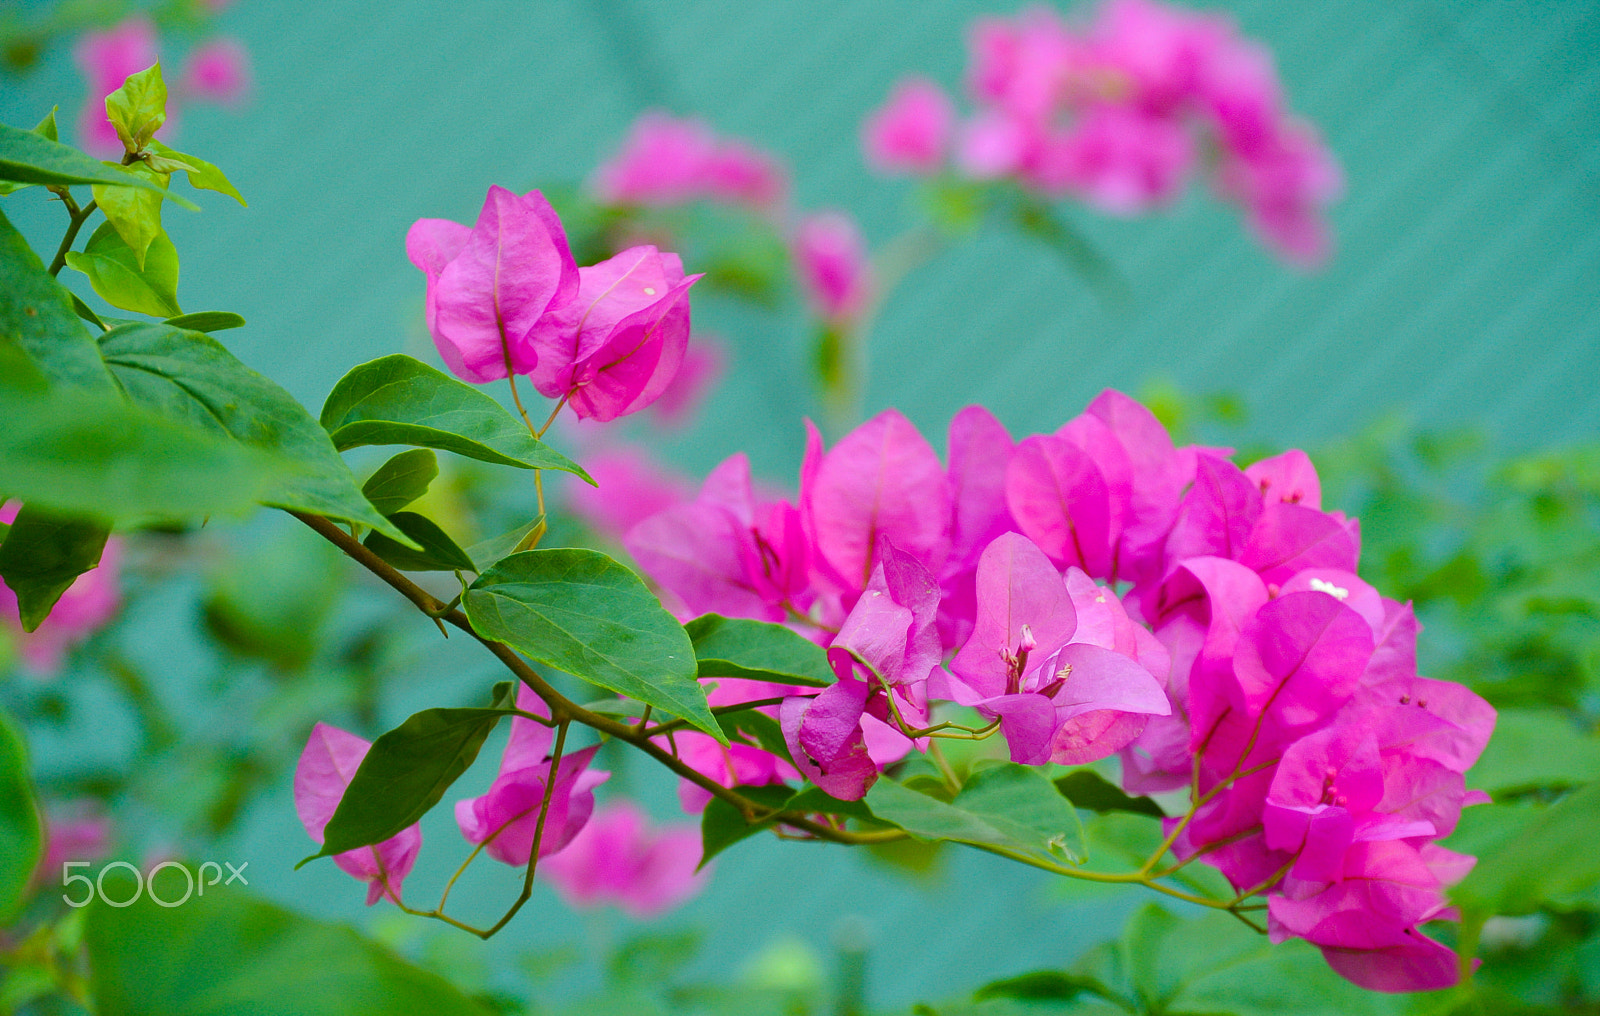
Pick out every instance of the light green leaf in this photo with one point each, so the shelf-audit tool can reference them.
(1007, 805)
(134, 213)
(502, 546)
(139, 108)
(738, 647)
(21, 835)
(401, 480)
(189, 376)
(44, 554)
(582, 612)
(226, 953)
(207, 321)
(407, 771)
(1535, 749)
(117, 275)
(37, 314)
(399, 400)
(46, 128)
(28, 157)
(438, 553)
(202, 174)
(1554, 857)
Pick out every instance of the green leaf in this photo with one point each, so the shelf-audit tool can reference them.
(737, 647)
(150, 960)
(399, 400)
(37, 313)
(139, 108)
(202, 174)
(89, 455)
(1008, 805)
(116, 273)
(189, 376)
(1554, 857)
(817, 800)
(438, 553)
(757, 729)
(1535, 749)
(87, 314)
(721, 825)
(1040, 986)
(44, 554)
(135, 214)
(21, 834)
(506, 544)
(1088, 789)
(46, 128)
(401, 480)
(27, 157)
(582, 612)
(407, 771)
(207, 321)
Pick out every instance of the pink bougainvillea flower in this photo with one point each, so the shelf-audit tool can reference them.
(499, 291)
(508, 817)
(825, 737)
(106, 58)
(830, 258)
(87, 606)
(665, 160)
(1122, 160)
(740, 174)
(218, 70)
(331, 757)
(911, 132)
(631, 332)
(734, 764)
(617, 858)
(631, 487)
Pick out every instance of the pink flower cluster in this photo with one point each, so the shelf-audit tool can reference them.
(88, 605)
(1099, 591)
(217, 70)
(506, 297)
(1118, 113)
(616, 859)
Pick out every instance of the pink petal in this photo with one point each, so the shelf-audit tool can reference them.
(1060, 500)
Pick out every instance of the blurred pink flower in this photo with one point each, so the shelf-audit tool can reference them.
(106, 59)
(831, 263)
(76, 831)
(702, 368)
(218, 70)
(619, 859)
(667, 160)
(911, 131)
(632, 487)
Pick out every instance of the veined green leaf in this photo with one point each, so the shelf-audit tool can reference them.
(29, 157)
(207, 321)
(438, 553)
(202, 174)
(135, 213)
(139, 108)
(401, 480)
(738, 647)
(116, 273)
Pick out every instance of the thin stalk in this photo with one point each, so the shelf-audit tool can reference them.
(78, 218)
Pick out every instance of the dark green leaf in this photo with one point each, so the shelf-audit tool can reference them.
(737, 647)
(37, 313)
(721, 826)
(44, 554)
(1040, 985)
(401, 480)
(83, 310)
(149, 960)
(202, 174)
(399, 400)
(117, 274)
(139, 108)
(755, 728)
(506, 544)
(21, 838)
(407, 771)
(27, 157)
(816, 800)
(1007, 805)
(438, 553)
(1554, 857)
(134, 213)
(1088, 789)
(189, 376)
(207, 321)
(582, 612)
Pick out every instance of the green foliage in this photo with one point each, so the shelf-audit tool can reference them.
(407, 771)
(514, 542)
(189, 376)
(136, 214)
(738, 647)
(438, 553)
(1006, 805)
(139, 108)
(401, 480)
(207, 321)
(1549, 861)
(147, 285)
(722, 825)
(584, 613)
(398, 400)
(21, 835)
(37, 314)
(227, 953)
(1088, 789)
(202, 174)
(44, 554)
(30, 157)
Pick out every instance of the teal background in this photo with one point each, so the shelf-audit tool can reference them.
(1463, 293)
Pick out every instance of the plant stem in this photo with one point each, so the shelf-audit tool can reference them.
(79, 217)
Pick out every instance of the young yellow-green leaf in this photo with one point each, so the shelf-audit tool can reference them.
(115, 273)
(134, 213)
(30, 157)
(739, 647)
(407, 771)
(139, 108)
(401, 480)
(188, 376)
(202, 174)
(44, 554)
(37, 313)
(438, 553)
(581, 612)
(21, 836)
(398, 400)
(207, 321)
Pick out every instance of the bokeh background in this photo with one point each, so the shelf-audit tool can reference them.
(1462, 294)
